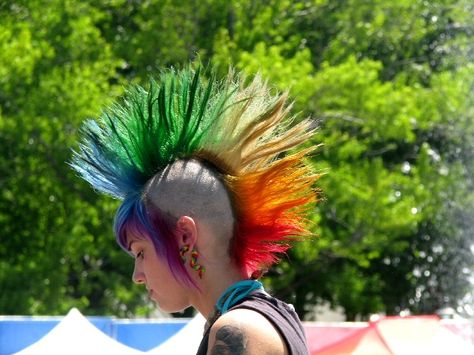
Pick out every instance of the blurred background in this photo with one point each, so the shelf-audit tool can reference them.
(390, 84)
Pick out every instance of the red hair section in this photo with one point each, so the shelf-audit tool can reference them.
(270, 205)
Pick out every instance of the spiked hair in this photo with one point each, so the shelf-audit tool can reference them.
(240, 130)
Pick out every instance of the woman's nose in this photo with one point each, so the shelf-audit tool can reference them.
(138, 276)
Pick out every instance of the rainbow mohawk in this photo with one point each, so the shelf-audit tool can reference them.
(240, 130)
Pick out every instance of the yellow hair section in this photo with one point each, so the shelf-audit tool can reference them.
(255, 129)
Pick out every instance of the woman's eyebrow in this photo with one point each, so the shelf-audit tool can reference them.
(130, 245)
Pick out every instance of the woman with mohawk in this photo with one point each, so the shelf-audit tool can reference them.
(209, 200)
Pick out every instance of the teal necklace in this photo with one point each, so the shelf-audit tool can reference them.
(231, 296)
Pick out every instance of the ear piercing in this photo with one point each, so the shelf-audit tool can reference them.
(193, 261)
(195, 265)
(182, 251)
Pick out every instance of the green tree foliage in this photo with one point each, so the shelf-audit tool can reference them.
(390, 84)
(56, 247)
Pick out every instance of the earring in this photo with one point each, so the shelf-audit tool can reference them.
(194, 264)
(182, 251)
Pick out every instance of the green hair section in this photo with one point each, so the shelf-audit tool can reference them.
(149, 129)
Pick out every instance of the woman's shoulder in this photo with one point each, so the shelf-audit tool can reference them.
(245, 331)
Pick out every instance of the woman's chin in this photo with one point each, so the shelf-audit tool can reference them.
(168, 308)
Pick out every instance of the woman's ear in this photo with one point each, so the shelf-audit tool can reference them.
(186, 231)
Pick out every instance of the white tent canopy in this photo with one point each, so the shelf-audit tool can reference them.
(76, 335)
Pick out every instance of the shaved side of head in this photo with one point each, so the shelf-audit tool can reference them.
(191, 188)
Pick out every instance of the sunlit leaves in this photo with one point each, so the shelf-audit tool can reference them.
(389, 83)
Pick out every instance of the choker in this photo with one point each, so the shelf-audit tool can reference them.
(230, 297)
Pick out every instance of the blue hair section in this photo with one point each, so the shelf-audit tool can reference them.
(125, 223)
(135, 219)
(104, 168)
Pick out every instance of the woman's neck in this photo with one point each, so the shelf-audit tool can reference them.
(213, 285)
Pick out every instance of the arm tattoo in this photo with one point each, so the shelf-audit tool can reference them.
(229, 341)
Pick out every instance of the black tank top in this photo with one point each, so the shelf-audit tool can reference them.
(282, 316)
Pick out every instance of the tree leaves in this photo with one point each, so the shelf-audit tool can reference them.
(390, 84)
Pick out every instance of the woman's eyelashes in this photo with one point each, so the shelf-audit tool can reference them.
(139, 254)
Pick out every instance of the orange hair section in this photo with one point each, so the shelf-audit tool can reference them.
(269, 205)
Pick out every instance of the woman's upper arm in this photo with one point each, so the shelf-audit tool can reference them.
(242, 332)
